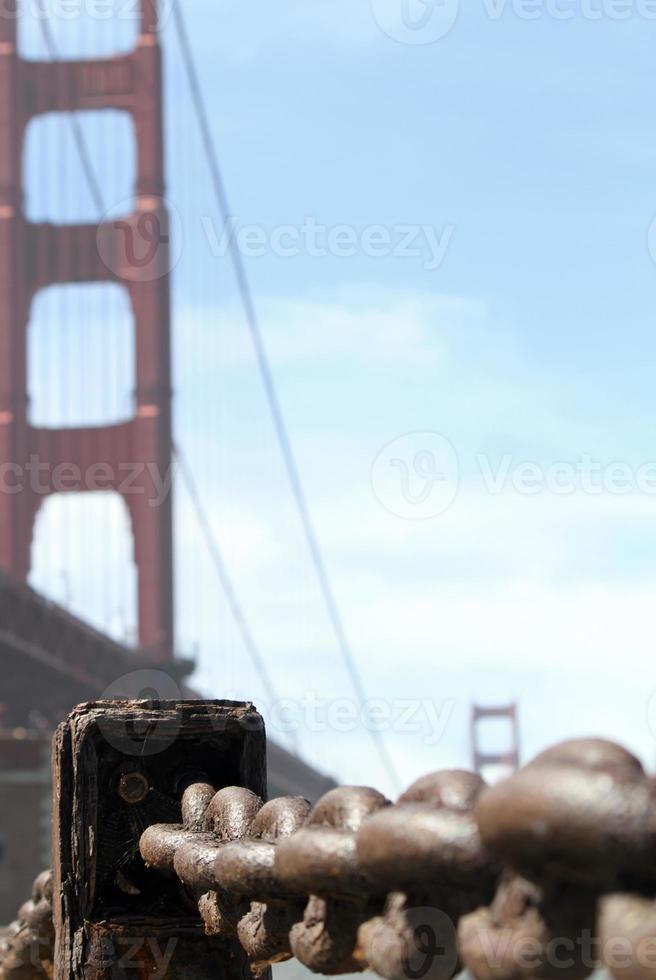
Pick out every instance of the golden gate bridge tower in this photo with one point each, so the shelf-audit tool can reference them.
(133, 251)
(49, 658)
(483, 757)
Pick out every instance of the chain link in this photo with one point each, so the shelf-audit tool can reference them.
(26, 949)
(540, 876)
(545, 875)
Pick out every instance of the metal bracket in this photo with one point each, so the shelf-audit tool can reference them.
(119, 766)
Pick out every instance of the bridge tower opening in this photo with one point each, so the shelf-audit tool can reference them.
(487, 757)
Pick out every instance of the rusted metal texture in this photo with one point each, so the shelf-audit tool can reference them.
(544, 876)
(120, 767)
(532, 878)
(26, 951)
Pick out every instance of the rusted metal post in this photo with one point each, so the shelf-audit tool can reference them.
(118, 767)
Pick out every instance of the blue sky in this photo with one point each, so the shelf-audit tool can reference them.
(534, 141)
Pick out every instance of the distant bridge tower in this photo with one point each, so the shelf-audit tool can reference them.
(133, 252)
(482, 758)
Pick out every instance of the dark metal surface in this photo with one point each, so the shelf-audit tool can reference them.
(120, 767)
(545, 876)
(536, 877)
(26, 949)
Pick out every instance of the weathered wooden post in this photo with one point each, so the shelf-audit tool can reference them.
(120, 766)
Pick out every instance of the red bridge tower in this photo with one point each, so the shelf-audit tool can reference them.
(133, 252)
(483, 758)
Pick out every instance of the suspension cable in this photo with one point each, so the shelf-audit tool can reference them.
(266, 373)
(226, 582)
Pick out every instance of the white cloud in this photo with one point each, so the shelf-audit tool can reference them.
(367, 324)
(543, 598)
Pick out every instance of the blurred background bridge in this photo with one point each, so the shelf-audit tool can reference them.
(95, 598)
(110, 503)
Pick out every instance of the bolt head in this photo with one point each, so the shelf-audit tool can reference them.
(133, 787)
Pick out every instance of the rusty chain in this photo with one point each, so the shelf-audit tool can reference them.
(545, 875)
(26, 950)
